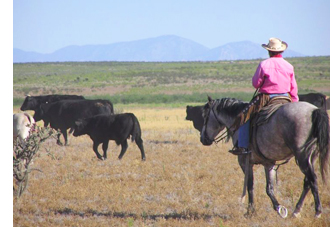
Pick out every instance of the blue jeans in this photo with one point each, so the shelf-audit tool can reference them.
(244, 135)
(244, 130)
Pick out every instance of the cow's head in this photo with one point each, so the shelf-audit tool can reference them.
(38, 114)
(41, 112)
(30, 103)
(188, 111)
(80, 127)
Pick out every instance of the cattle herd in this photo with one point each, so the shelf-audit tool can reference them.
(96, 118)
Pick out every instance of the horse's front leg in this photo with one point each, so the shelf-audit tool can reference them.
(270, 179)
(249, 172)
(251, 209)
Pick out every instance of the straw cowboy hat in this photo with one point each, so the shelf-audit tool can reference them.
(275, 45)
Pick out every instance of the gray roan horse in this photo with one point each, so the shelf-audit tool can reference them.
(296, 129)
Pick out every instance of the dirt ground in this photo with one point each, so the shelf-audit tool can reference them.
(182, 183)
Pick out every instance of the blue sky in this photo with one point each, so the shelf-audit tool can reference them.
(46, 26)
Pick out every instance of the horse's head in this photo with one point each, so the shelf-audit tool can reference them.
(212, 125)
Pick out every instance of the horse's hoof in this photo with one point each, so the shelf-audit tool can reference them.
(242, 199)
(318, 215)
(250, 211)
(282, 211)
(296, 215)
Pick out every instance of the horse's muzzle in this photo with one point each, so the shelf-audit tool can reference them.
(205, 140)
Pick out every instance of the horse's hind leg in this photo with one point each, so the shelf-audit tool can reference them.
(310, 182)
(270, 179)
(307, 187)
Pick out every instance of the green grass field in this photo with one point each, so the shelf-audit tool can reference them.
(166, 83)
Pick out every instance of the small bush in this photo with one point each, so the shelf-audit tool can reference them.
(24, 154)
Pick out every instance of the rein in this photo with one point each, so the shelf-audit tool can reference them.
(224, 135)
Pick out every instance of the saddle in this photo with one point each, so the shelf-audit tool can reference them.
(259, 106)
(267, 111)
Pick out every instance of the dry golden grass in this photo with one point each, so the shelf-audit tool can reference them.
(182, 183)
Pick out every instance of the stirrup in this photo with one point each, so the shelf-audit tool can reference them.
(240, 151)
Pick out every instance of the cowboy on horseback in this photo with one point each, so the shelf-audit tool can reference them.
(274, 77)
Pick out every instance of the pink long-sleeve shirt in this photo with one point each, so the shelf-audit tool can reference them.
(275, 76)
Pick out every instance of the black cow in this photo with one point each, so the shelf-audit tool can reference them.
(317, 99)
(194, 114)
(118, 127)
(33, 102)
(63, 114)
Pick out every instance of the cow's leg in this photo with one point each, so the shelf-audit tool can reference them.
(46, 123)
(105, 148)
(124, 146)
(95, 146)
(58, 139)
(139, 142)
(65, 135)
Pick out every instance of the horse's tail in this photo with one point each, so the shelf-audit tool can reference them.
(320, 131)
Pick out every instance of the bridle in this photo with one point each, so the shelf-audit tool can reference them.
(223, 135)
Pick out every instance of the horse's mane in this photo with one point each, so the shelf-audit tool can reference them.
(230, 106)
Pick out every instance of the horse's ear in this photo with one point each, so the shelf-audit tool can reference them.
(209, 99)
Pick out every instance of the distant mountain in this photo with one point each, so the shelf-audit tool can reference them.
(25, 56)
(241, 51)
(163, 49)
